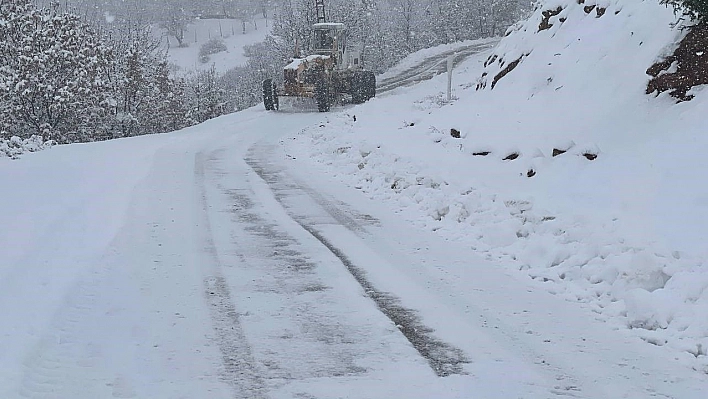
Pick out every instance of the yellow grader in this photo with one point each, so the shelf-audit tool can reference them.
(332, 73)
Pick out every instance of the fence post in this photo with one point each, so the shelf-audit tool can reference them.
(450, 64)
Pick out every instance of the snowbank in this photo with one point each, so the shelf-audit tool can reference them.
(564, 170)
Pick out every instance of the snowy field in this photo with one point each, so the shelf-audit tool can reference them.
(203, 30)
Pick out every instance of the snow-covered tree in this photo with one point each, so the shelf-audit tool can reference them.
(147, 99)
(54, 74)
(206, 96)
(175, 20)
(168, 101)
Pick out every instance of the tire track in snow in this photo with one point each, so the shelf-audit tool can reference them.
(292, 316)
(49, 368)
(443, 358)
(239, 364)
(74, 358)
(428, 68)
(567, 384)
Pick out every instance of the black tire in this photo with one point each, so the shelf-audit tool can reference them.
(322, 96)
(358, 88)
(370, 85)
(268, 95)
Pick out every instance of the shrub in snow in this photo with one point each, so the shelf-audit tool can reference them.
(207, 97)
(66, 81)
(15, 146)
(213, 46)
(695, 9)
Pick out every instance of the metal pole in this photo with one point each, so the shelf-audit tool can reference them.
(450, 64)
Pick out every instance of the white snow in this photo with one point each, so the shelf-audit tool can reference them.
(200, 263)
(228, 30)
(624, 234)
(297, 62)
(417, 57)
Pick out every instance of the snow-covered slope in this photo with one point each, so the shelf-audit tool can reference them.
(203, 30)
(617, 222)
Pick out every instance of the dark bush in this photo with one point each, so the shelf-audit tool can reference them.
(695, 9)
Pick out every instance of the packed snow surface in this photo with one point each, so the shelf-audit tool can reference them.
(415, 59)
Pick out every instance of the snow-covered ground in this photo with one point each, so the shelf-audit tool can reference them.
(306, 255)
(203, 30)
(415, 59)
(212, 262)
(624, 234)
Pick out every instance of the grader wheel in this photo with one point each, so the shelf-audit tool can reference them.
(358, 88)
(322, 96)
(269, 95)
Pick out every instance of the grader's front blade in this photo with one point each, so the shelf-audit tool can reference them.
(297, 104)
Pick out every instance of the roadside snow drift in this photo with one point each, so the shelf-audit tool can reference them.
(552, 160)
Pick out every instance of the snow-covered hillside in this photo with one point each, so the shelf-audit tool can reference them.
(565, 169)
(202, 30)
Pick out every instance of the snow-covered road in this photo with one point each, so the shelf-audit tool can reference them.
(210, 263)
(421, 67)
